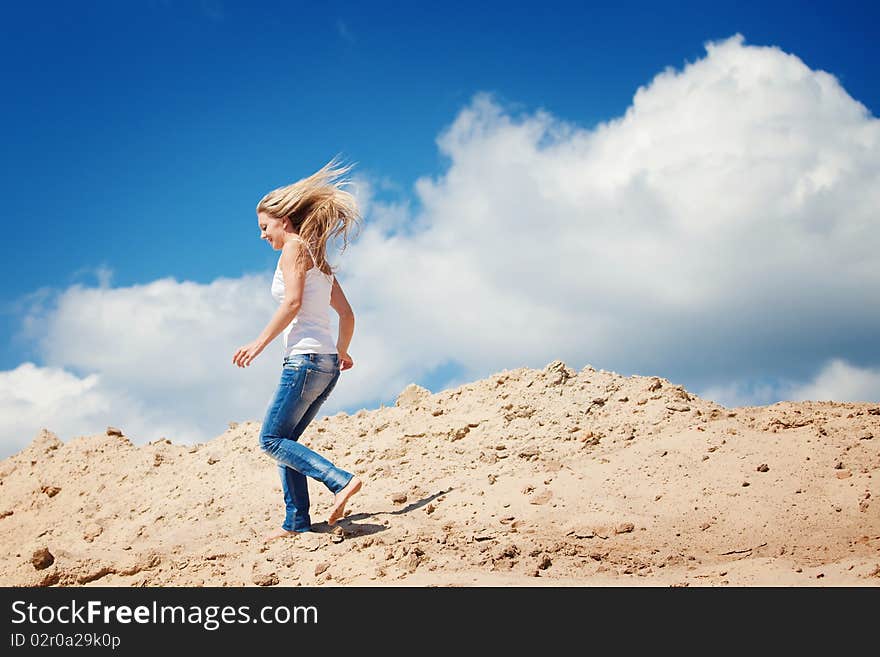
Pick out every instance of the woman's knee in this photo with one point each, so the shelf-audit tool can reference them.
(268, 442)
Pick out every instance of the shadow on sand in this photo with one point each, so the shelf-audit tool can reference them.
(353, 528)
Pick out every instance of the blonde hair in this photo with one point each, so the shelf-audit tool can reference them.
(318, 209)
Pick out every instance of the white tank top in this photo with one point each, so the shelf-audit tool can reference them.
(309, 332)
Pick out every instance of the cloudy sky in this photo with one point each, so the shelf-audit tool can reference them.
(684, 194)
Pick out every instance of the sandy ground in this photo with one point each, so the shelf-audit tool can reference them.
(548, 477)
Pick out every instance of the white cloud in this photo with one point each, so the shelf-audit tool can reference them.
(724, 229)
(102, 274)
(730, 212)
(154, 360)
(837, 380)
(742, 393)
(388, 217)
(169, 334)
(840, 381)
(32, 397)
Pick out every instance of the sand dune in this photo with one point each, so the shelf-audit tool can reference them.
(528, 477)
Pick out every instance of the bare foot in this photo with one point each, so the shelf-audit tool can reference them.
(341, 498)
(280, 533)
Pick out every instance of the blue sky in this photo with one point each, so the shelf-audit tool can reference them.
(140, 136)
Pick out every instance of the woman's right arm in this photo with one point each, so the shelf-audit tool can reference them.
(346, 324)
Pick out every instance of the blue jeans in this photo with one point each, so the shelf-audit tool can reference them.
(306, 382)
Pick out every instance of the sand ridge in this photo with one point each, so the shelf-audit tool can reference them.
(527, 477)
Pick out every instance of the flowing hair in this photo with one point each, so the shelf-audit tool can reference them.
(318, 209)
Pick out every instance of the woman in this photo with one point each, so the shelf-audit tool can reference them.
(298, 220)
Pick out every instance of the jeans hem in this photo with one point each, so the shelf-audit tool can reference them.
(336, 485)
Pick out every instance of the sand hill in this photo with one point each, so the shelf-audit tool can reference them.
(528, 477)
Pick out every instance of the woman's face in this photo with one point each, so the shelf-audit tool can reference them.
(271, 230)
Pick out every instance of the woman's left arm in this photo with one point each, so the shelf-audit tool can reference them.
(294, 284)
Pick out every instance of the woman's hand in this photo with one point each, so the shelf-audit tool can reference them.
(246, 354)
(345, 361)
